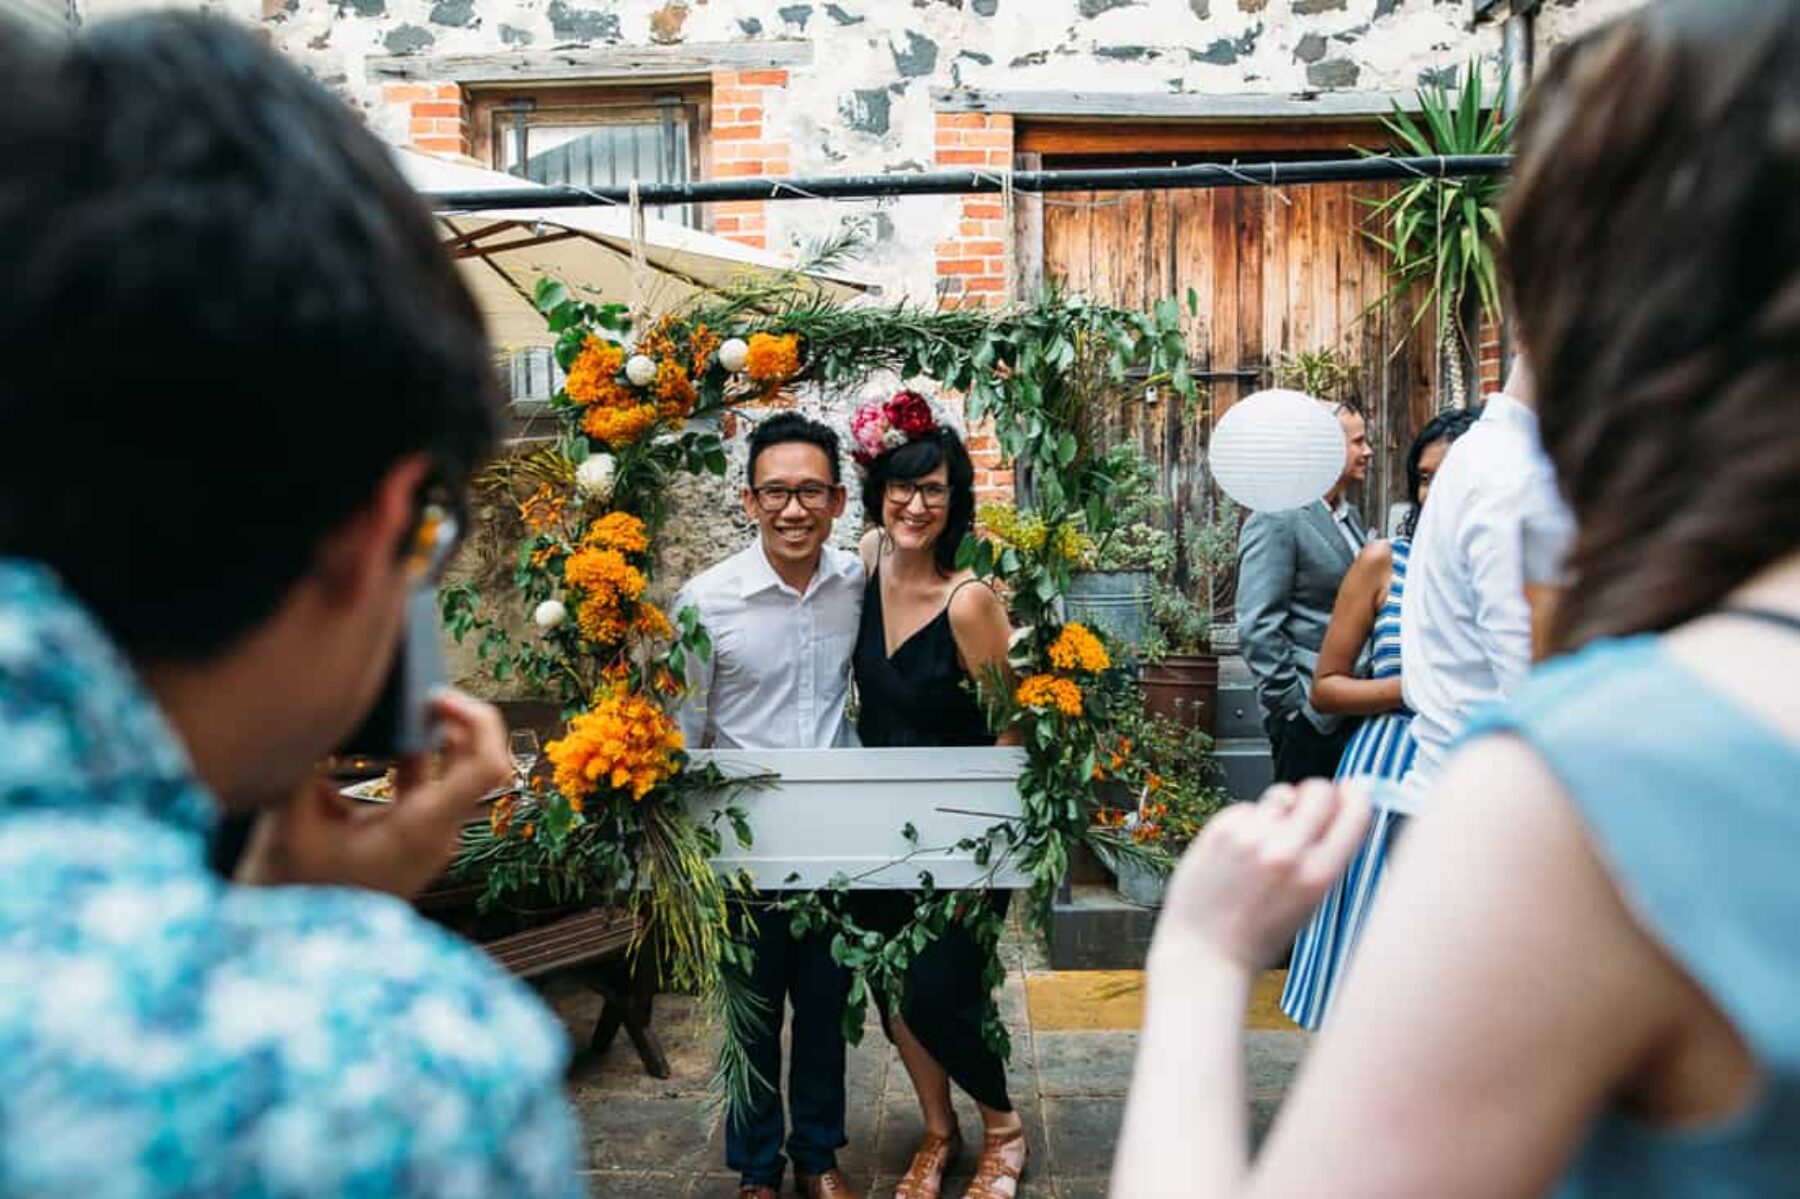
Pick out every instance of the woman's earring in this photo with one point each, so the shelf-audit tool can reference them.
(885, 544)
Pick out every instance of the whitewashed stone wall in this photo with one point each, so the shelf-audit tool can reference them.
(864, 103)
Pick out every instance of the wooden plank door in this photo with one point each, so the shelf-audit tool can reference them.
(1273, 271)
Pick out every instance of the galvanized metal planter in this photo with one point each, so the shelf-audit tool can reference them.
(842, 811)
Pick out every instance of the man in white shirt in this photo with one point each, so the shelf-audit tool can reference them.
(1290, 565)
(783, 615)
(1495, 527)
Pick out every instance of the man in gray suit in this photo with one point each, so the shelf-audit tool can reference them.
(1289, 567)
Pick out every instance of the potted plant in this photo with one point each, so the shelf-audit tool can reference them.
(1180, 675)
(1159, 789)
(1123, 550)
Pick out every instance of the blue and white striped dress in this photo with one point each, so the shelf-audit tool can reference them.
(1381, 748)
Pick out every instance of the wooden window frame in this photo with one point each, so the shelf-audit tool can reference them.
(596, 104)
(1108, 138)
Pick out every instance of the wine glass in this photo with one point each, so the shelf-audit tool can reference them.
(524, 744)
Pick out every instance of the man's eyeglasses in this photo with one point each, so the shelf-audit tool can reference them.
(814, 497)
(932, 495)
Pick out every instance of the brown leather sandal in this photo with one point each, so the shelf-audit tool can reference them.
(991, 1169)
(924, 1178)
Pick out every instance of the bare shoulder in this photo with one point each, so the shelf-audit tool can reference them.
(870, 548)
(974, 603)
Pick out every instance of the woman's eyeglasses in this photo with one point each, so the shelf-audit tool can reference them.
(932, 495)
(814, 497)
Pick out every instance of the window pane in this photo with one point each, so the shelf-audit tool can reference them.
(605, 155)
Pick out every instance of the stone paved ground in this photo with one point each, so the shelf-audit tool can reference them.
(1073, 1044)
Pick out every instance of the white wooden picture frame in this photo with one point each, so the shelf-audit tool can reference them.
(842, 811)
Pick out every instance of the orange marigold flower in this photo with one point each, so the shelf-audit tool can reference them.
(600, 622)
(625, 743)
(501, 814)
(542, 511)
(1075, 648)
(673, 388)
(703, 343)
(604, 572)
(1153, 782)
(530, 830)
(665, 682)
(659, 340)
(1047, 692)
(592, 376)
(618, 531)
(651, 622)
(774, 358)
(617, 426)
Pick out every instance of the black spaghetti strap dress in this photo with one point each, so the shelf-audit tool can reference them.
(918, 697)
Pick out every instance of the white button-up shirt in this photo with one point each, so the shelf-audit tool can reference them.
(779, 674)
(1465, 626)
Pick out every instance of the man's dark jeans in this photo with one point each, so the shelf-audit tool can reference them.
(800, 971)
(1302, 751)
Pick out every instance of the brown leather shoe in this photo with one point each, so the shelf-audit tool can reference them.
(758, 1192)
(829, 1185)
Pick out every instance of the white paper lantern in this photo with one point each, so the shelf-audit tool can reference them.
(1277, 450)
(641, 370)
(734, 355)
(549, 615)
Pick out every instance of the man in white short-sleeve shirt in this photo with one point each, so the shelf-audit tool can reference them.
(1495, 526)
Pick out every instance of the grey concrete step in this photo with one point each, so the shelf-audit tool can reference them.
(1095, 928)
(1245, 765)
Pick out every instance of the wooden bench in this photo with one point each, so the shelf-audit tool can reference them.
(591, 946)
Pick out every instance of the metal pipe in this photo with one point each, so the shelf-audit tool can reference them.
(954, 183)
(1518, 48)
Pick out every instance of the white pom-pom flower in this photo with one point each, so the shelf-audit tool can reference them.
(734, 355)
(594, 477)
(641, 370)
(549, 615)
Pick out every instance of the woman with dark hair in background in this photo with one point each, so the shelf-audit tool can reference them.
(929, 631)
(1367, 613)
(1581, 971)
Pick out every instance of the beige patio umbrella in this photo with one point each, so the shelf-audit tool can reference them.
(504, 252)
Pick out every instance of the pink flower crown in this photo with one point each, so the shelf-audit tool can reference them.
(883, 425)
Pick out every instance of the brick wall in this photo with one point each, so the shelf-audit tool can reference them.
(437, 115)
(1490, 360)
(971, 266)
(742, 147)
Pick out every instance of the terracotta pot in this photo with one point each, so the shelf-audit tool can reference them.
(1183, 688)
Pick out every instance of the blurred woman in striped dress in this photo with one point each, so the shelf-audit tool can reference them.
(1367, 612)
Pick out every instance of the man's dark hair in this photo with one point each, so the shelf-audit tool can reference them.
(915, 460)
(225, 317)
(786, 427)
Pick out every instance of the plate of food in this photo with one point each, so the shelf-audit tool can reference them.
(375, 790)
(381, 790)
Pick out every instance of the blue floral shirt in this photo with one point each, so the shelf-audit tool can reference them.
(165, 1033)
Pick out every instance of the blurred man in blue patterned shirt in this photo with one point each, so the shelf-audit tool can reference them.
(236, 373)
